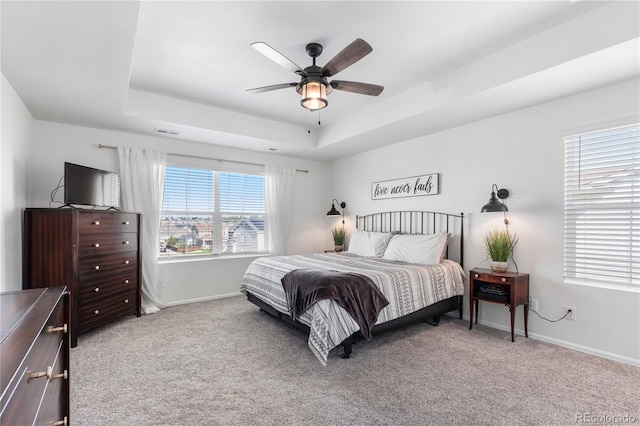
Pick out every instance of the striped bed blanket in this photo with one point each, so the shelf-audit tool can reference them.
(408, 287)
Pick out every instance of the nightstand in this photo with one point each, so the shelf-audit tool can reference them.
(508, 288)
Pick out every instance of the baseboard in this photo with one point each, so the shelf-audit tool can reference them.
(203, 299)
(586, 349)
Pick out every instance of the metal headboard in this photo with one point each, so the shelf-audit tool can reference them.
(418, 222)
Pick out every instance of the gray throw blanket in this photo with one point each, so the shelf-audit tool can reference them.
(355, 293)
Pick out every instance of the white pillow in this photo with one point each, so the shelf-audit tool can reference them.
(425, 249)
(368, 243)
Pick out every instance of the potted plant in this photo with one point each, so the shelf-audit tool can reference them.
(339, 236)
(499, 246)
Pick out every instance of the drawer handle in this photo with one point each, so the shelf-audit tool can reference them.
(37, 375)
(48, 374)
(126, 262)
(126, 281)
(97, 222)
(63, 422)
(96, 245)
(97, 311)
(97, 289)
(64, 375)
(125, 223)
(125, 242)
(476, 276)
(52, 329)
(96, 267)
(126, 300)
(504, 280)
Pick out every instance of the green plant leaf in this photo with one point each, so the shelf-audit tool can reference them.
(499, 245)
(339, 236)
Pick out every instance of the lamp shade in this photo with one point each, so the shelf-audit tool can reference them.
(314, 95)
(333, 211)
(494, 205)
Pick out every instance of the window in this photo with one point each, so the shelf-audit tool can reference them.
(208, 212)
(602, 208)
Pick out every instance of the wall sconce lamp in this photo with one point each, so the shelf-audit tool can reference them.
(494, 204)
(334, 211)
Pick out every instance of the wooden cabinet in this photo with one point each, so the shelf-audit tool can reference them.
(35, 357)
(94, 253)
(508, 288)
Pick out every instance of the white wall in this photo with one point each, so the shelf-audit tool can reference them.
(523, 152)
(193, 280)
(16, 124)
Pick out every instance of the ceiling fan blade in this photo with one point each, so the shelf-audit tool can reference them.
(347, 57)
(277, 57)
(356, 87)
(273, 87)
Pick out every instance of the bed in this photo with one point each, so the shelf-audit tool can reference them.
(418, 288)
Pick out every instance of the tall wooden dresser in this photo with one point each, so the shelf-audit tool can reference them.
(95, 253)
(34, 349)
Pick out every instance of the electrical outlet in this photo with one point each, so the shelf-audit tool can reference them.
(571, 312)
(533, 305)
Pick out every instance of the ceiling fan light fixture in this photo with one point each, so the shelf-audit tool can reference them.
(314, 95)
(314, 85)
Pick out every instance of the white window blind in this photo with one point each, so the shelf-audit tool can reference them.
(602, 208)
(208, 212)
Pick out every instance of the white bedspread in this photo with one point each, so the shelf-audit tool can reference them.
(408, 287)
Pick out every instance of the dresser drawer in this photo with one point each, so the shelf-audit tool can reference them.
(102, 311)
(27, 391)
(55, 394)
(110, 268)
(92, 245)
(105, 222)
(24, 403)
(94, 294)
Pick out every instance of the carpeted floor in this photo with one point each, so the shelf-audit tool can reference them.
(223, 362)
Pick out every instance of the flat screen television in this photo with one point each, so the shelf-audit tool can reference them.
(91, 187)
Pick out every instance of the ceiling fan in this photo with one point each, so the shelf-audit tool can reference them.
(314, 84)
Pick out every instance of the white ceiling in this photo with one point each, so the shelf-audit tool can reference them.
(185, 66)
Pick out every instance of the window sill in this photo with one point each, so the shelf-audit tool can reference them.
(180, 259)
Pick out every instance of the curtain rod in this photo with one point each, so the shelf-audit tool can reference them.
(219, 160)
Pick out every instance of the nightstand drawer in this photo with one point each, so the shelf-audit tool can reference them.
(492, 278)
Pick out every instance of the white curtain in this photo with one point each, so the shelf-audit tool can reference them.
(142, 185)
(278, 182)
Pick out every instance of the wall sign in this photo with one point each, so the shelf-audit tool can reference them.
(406, 187)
